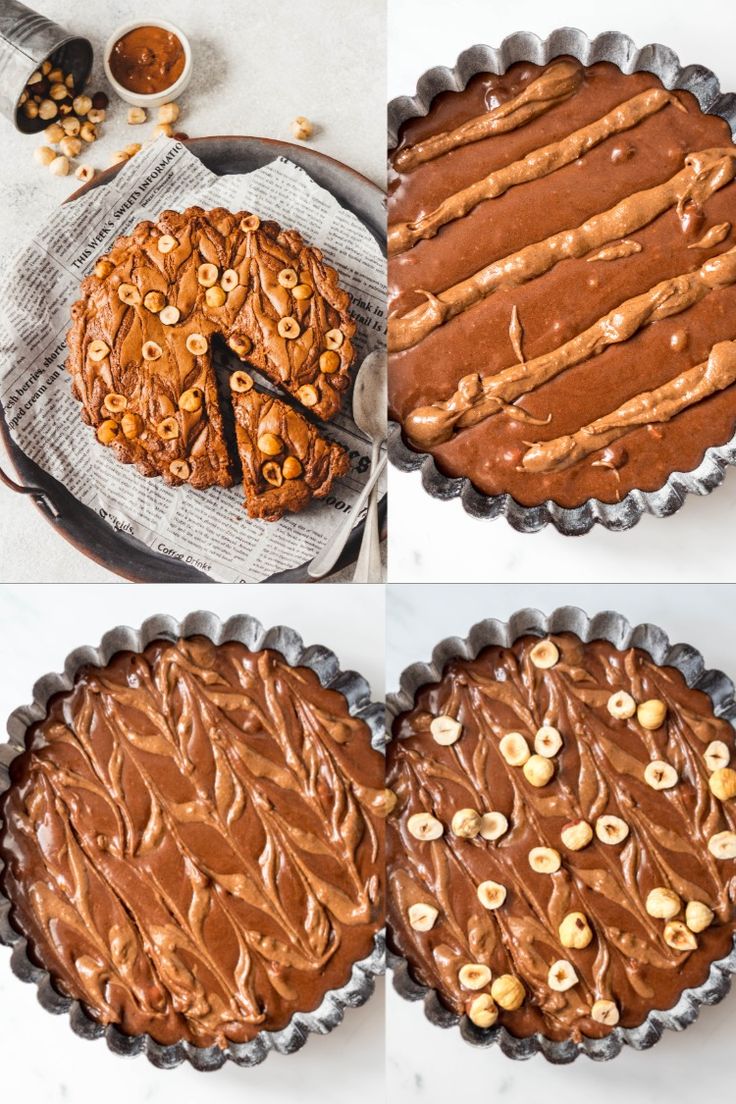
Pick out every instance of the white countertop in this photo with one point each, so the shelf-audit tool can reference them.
(432, 1066)
(433, 540)
(256, 67)
(41, 1058)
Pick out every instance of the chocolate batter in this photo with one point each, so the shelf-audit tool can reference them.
(598, 771)
(147, 60)
(563, 255)
(192, 841)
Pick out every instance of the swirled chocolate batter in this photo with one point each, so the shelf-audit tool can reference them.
(192, 841)
(562, 256)
(147, 60)
(562, 848)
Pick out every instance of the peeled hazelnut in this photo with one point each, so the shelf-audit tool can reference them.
(307, 395)
(334, 339)
(196, 344)
(56, 75)
(723, 845)
(129, 293)
(88, 133)
(36, 77)
(207, 274)
(250, 223)
(168, 429)
(70, 147)
(229, 280)
(71, 126)
(191, 400)
(82, 105)
(30, 109)
(168, 112)
(493, 826)
(291, 468)
(423, 826)
(240, 345)
(117, 157)
(241, 382)
(508, 992)
(329, 362)
(136, 115)
(445, 730)
(679, 937)
(53, 133)
(698, 916)
(288, 278)
(538, 770)
(96, 115)
(466, 823)
(660, 775)
(270, 445)
(621, 705)
(576, 835)
(491, 895)
(389, 803)
(716, 755)
(162, 128)
(544, 860)
(133, 148)
(303, 291)
(611, 829)
(547, 741)
(422, 916)
(651, 714)
(97, 351)
(482, 1011)
(215, 297)
(42, 155)
(544, 654)
(166, 243)
(474, 975)
(301, 128)
(288, 327)
(561, 976)
(107, 431)
(151, 351)
(59, 166)
(131, 425)
(154, 301)
(115, 403)
(605, 1012)
(575, 931)
(272, 473)
(58, 91)
(47, 109)
(103, 269)
(84, 173)
(180, 469)
(723, 783)
(514, 749)
(169, 316)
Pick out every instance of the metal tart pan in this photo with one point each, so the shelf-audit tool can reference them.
(353, 687)
(617, 631)
(622, 51)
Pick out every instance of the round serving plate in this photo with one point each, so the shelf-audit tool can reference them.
(79, 524)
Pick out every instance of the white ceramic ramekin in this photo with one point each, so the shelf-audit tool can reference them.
(139, 99)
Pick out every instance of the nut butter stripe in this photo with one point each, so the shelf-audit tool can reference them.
(479, 397)
(537, 164)
(646, 408)
(557, 83)
(705, 172)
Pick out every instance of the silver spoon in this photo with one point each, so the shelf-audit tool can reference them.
(369, 413)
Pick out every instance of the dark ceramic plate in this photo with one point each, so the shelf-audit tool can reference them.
(80, 525)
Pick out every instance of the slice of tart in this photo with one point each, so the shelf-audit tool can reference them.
(286, 461)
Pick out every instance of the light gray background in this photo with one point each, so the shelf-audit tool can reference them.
(427, 1064)
(432, 540)
(40, 1057)
(256, 67)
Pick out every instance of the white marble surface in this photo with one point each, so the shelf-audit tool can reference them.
(41, 1058)
(256, 67)
(427, 1064)
(433, 540)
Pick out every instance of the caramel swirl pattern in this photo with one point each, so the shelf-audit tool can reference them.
(185, 280)
(193, 842)
(599, 771)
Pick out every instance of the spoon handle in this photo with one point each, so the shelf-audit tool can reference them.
(325, 560)
(368, 568)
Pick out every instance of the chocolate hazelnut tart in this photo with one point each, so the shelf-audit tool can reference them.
(193, 842)
(562, 282)
(561, 847)
(140, 345)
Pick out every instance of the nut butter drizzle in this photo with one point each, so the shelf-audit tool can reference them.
(192, 844)
(599, 772)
